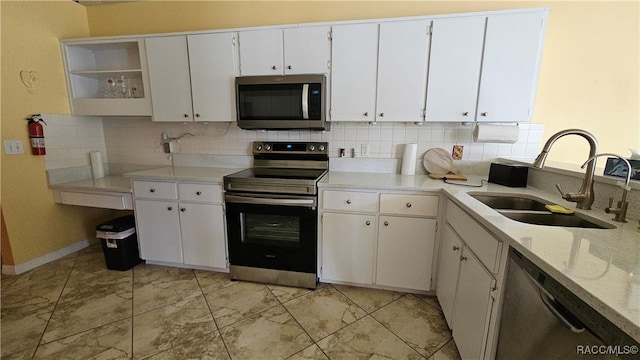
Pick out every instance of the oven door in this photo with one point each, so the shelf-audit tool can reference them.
(272, 232)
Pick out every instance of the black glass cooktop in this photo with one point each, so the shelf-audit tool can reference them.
(278, 173)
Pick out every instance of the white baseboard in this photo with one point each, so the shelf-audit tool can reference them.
(44, 259)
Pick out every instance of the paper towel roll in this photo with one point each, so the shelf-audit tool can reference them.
(97, 168)
(487, 133)
(409, 159)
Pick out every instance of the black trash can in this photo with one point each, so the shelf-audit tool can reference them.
(119, 243)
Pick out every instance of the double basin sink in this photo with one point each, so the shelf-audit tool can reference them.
(532, 210)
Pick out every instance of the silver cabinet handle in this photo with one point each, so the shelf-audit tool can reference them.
(183, 209)
(485, 114)
(463, 258)
(386, 223)
(186, 115)
(456, 248)
(366, 113)
(170, 208)
(274, 67)
(348, 201)
(197, 115)
(408, 205)
(381, 114)
(368, 223)
(466, 113)
(198, 193)
(289, 67)
(152, 190)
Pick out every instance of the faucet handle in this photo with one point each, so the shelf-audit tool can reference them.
(610, 202)
(560, 190)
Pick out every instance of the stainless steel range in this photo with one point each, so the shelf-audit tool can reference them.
(272, 216)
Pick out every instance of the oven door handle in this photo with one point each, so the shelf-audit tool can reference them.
(270, 201)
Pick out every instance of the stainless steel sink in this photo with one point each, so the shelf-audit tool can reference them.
(531, 210)
(551, 219)
(510, 202)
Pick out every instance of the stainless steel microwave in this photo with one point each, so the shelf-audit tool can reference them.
(282, 102)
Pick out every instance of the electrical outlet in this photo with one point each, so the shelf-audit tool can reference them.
(456, 154)
(13, 147)
(364, 150)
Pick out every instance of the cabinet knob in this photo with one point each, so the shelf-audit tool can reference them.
(466, 113)
(456, 248)
(485, 114)
(366, 114)
(198, 193)
(274, 67)
(289, 67)
(152, 190)
(386, 223)
(183, 209)
(408, 205)
(463, 258)
(368, 223)
(197, 115)
(381, 114)
(169, 208)
(186, 115)
(349, 201)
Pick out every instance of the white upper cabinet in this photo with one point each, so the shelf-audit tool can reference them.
(170, 83)
(107, 77)
(454, 68)
(402, 70)
(512, 52)
(354, 62)
(303, 50)
(192, 77)
(213, 60)
(378, 71)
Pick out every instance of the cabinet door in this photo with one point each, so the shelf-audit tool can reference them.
(261, 52)
(405, 252)
(307, 50)
(348, 245)
(158, 228)
(513, 47)
(402, 70)
(213, 62)
(454, 68)
(202, 229)
(354, 54)
(448, 268)
(169, 80)
(472, 309)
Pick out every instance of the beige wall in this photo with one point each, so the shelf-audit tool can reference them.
(589, 75)
(30, 41)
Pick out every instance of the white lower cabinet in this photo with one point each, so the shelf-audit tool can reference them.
(383, 239)
(466, 288)
(348, 247)
(183, 229)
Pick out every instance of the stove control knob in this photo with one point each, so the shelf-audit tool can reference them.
(267, 147)
(259, 147)
(321, 148)
(312, 147)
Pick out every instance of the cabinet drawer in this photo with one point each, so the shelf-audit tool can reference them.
(486, 248)
(350, 201)
(419, 205)
(200, 192)
(155, 190)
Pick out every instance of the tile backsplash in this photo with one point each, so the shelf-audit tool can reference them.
(136, 140)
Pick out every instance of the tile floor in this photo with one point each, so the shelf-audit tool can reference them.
(75, 308)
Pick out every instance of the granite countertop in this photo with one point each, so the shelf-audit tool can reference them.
(601, 266)
(188, 173)
(111, 183)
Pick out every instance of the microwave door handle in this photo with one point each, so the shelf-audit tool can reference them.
(305, 101)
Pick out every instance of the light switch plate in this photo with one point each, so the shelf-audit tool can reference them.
(13, 147)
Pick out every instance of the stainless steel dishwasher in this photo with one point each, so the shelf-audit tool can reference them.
(541, 319)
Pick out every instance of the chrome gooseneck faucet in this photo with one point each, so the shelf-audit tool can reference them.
(621, 210)
(584, 198)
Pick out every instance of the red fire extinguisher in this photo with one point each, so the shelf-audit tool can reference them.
(36, 134)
